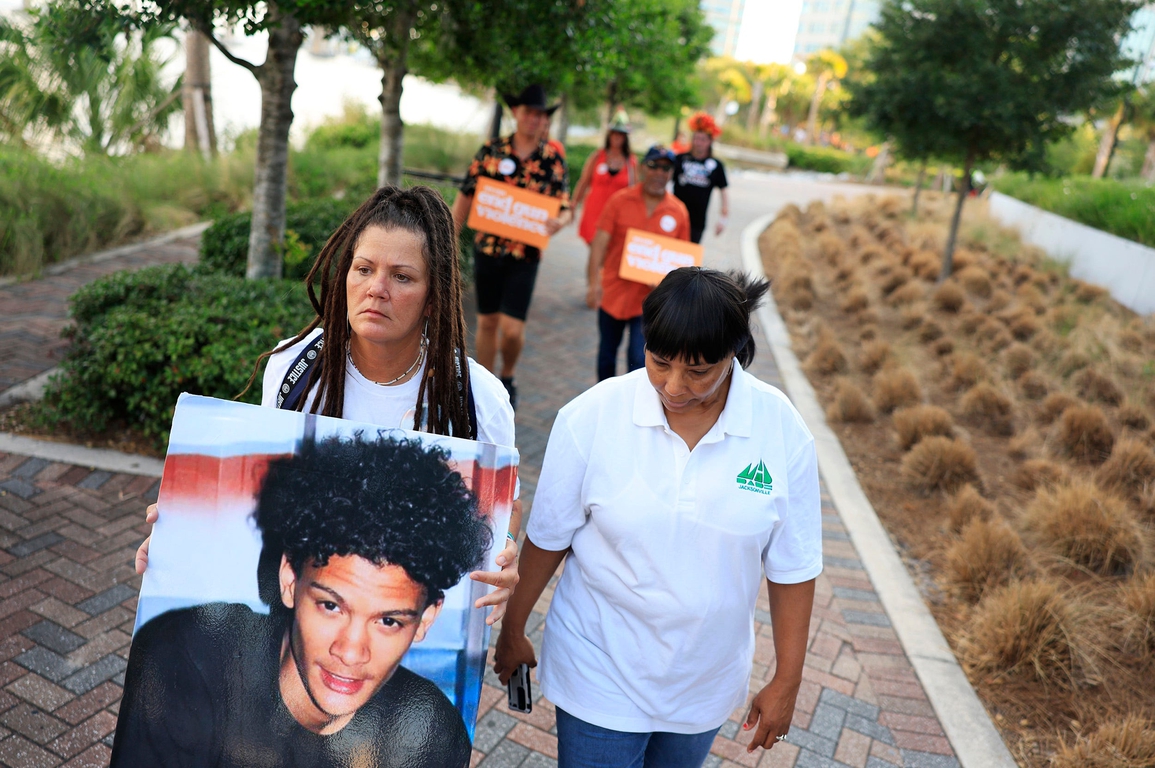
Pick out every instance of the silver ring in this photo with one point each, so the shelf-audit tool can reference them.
(780, 737)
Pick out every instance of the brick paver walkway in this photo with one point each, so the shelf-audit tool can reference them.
(67, 591)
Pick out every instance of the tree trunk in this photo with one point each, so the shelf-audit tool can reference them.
(196, 95)
(769, 113)
(877, 173)
(812, 119)
(964, 189)
(495, 126)
(677, 127)
(1107, 143)
(611, 104)
(563, 120)
(1148, 172)
(389, 153)
(918, 189)
(269, 186)
(755, 106)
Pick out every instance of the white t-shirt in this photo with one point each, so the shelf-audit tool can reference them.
(651, 627)
(394, 406)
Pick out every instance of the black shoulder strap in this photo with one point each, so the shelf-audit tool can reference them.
(297, 377)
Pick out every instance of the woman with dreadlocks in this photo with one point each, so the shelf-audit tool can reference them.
(387, 345)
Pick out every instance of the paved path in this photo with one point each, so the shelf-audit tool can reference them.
(67, 592)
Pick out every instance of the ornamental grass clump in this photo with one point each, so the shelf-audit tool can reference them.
(1094, 387)
(988, 554)
(988, 408)
(1033, 473)
(930, 331)
(827, 358)
(975, 281)
(1054, 406)
(856, 300)
(939, 464)
(895, 388)
(1138, 600)
(1125, 743)
(1073, 361)
(966, 371)
(910, 293)
(967, 504)
(1130, 473)
(850, 405)
(1133, 417)
(1083, 434)
(914, 423)
(875, 354)
(949, 298)
(1090, 528)
(1030, 630)
(1018, 359)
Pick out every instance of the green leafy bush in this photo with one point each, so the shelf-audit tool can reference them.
(1125, 209)
(141, 338)
(225, 245)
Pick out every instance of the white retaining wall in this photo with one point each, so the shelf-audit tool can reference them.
(1123, 267)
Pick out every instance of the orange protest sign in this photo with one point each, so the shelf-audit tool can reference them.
(507, 211)
(646, 257)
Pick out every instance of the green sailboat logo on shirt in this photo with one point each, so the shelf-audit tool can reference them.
(755, 478)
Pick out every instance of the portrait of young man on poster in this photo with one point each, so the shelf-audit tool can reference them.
(360, 540)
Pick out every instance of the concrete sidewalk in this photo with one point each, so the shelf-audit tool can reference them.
(67, 592)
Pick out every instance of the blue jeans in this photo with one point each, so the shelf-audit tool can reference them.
(584, 745)
(610, 332)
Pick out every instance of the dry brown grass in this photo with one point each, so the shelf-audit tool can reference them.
(895, 279)
(987, 407)
(970, 320)
(1131, 341)
(925, 265)
(1073, 361)
(915, 423)
(1097, 388)
(966, 371)
(856, 300)
(943, 347)
(1130, 473)
(1034, 385)
(1024, 328)
(1083, 434)
(967, 504)
(1033, 473)
(1138, 600)
(1086, 292)
(875, 354)
(949, 297)
(930, 331)
(1054, 406)
(850, 405)
(827, 358)
(830, 247)
(940, 464)
(999, 301)
(1125, 743)
(1087, 527)
(1018, 359)
(1133, 417)
(988, 554)
(1030, 630)
(976, 281)
(907, 294)
(1024, 445)
(871, 254)
(895, 388)
(912, 316)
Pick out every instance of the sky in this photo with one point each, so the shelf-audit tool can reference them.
(768, 28)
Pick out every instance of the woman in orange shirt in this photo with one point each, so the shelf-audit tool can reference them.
(606, 171)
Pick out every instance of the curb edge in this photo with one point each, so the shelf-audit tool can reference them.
(68, 453)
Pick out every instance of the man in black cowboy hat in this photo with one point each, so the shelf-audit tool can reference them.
(504, 270)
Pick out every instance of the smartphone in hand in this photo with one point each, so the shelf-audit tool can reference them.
(520, 696)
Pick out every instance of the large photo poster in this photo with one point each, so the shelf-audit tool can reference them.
(307, 600)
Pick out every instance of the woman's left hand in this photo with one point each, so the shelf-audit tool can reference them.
(771, 711)
(504, 581)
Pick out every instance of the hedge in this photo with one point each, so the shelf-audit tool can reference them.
(141, 338)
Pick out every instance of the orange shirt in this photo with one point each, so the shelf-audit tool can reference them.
(622, 299)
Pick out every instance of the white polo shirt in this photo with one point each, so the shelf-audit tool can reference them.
(651, 627)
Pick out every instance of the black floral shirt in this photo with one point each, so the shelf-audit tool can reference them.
(543, 172)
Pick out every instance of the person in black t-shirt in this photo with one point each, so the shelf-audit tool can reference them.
(698, 172)
(360, 541)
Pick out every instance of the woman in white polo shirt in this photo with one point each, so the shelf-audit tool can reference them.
(671, 492)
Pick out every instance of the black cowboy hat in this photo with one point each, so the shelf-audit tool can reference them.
(531, 96)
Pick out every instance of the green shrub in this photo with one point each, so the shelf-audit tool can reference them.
(1125, 209)
(141, 338)
(225, 245)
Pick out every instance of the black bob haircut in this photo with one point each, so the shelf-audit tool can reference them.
(389, 501)
(701, 315)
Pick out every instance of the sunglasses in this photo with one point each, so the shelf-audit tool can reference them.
(658, 165)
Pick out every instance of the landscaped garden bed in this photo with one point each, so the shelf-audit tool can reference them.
(1002, 424)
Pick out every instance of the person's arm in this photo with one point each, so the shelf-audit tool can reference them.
(461, 211)
(513, 647)
(507, 578)
(564, 217)
(773, 707)
(594, 269)
(724, 218)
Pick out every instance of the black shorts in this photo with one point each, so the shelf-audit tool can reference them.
(696, 234)
(504, 284)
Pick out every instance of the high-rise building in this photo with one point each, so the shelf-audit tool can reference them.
(1139, 46)
(830, 23)
(725, 16)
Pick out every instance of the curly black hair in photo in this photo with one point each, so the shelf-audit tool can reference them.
(701, 315)
(389, 501)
